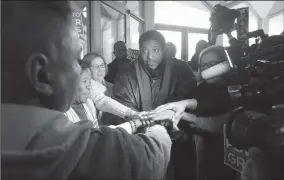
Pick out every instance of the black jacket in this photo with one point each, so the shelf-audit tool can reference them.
(182, 84)
(126, 89)
(114, 67)
(213, 99)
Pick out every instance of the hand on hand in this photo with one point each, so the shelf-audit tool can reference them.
(144, 115)
(178, 107)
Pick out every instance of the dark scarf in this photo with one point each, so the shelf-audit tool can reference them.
(145, 75)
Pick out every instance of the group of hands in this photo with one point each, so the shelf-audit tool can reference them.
(174, 112)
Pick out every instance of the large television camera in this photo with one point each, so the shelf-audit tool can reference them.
(255, 80)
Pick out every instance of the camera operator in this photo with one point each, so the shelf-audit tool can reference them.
(212, 98)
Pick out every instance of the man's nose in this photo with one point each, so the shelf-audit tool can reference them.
(150, 55)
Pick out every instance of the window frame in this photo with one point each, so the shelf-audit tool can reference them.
(95, 17)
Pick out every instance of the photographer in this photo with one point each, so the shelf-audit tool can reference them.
(261, 136)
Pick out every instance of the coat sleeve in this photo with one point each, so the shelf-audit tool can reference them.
(185, 83)
(124, 94)
(114, 154)
(123, 91)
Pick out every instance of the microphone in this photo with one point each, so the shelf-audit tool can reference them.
(214, 61)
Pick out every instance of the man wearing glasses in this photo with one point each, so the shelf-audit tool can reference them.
(120, 52)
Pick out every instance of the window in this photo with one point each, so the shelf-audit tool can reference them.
(253, 25)
(174, 37)
(135, 7)
(276, 25)
(112, 30)
(135, 32)
(193, 38)
(176, 13)
(226, 39)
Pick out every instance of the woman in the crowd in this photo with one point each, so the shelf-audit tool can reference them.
(84, 109)
(98, 67)
(89, 101)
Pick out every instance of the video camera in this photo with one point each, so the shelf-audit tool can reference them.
(254, 77)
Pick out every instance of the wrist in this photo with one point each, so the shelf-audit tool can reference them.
(129, 114)
(191, 103)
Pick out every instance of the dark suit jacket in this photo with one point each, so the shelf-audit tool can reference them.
(114, 67)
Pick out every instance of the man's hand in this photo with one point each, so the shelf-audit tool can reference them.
(167, 115)
(140, 115)
(178, 107)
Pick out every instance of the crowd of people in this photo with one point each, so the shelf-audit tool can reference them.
(69, 118)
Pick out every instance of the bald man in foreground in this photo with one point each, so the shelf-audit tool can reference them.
(40, 76)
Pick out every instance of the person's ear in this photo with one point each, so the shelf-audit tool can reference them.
(38, 75)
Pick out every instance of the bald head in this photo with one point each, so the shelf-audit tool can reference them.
(39, 51)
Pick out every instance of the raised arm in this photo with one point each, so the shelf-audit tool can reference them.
(107, 104)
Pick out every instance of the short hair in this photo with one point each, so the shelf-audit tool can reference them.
(88, 58)
(55, 13)
(119, 43)
(201, 44)
(171, 47)
(152, 35)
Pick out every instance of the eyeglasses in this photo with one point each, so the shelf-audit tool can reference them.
(98, 66)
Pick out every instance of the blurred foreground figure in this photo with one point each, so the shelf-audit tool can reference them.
(39, 83)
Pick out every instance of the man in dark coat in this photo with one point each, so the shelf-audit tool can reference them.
(120, 52)
(39, 83)
(154, 80)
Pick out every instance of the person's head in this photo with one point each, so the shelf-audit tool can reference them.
(152, 44)
(170, 49)
(39, 54)
(200, 45)
(119, 50)
(282, 33)
(98, 66)
(84, 89)
(209, 58)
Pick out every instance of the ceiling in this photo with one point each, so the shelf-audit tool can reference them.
(262, 9)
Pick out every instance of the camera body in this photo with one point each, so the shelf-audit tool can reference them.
(254, 77)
